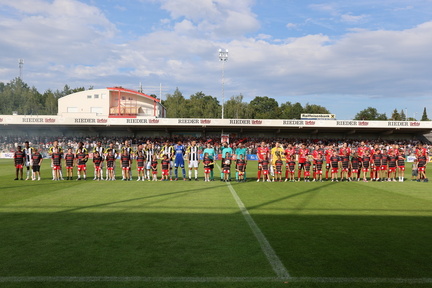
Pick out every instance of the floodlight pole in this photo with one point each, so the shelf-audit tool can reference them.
(223, 57)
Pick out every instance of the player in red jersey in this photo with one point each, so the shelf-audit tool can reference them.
(420, 150)
(328, 154)
(289, 151)
(303, 152)
(19, 158)
(262, 153)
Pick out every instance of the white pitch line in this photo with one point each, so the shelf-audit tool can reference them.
(273, 259)
(84, 279)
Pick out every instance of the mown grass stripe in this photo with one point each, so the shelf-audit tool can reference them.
(84, 279)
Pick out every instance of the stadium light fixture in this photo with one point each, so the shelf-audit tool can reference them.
(223, 57)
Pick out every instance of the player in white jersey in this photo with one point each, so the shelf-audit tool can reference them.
(192, 154)
(28, 151)
(150, 151)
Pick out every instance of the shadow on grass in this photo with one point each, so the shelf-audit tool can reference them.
(212, 245)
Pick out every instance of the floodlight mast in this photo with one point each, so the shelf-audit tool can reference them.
(20, 65)
(223, 57)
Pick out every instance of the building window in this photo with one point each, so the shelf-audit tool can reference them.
(72, 109)
(96, 96)
(97, 110)
(89, 96)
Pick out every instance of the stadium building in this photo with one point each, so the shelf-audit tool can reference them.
(120, 112)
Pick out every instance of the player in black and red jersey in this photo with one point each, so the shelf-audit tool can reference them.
(81, 159)
(241, 168)
(307, 167)
(401, 165)
(384, 166)
(366, 161)
(422, 161)
(319, 162)
(376, 161)
(265, 169)
(36, 160)
(19, 158)
(110, 163)
(290, 169)
(345, 163)
(140, 160)
(392, 163)
(154, 165)
(97, 161)
(355, 164)
(56, 157)
(126, 162)
(278, 168)
(69, 160)
(165, 165)
(334, 162)
(208, 165)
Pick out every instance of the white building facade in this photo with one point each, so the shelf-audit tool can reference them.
(112, 102)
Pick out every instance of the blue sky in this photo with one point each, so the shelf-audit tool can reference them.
(344, 55)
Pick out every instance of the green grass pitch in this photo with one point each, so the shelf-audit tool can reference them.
(193, 234)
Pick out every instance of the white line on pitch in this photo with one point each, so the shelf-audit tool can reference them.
(274, 260)
(88, 279)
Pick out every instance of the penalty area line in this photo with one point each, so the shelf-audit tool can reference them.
(89, 279)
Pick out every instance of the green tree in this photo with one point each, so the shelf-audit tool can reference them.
(424, 116)
(396, 116)
(235, 108)
(51, 102)
(403, 116)
(291, 111)
(315, 109)
(203, 106)
(370, 114)
(176, 105)
(263, 107)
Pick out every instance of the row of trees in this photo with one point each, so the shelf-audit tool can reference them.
(17, 96)
(371, 113)
(200, 105)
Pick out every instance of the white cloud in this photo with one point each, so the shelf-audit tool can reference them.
(349, 18)
(291, 25)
